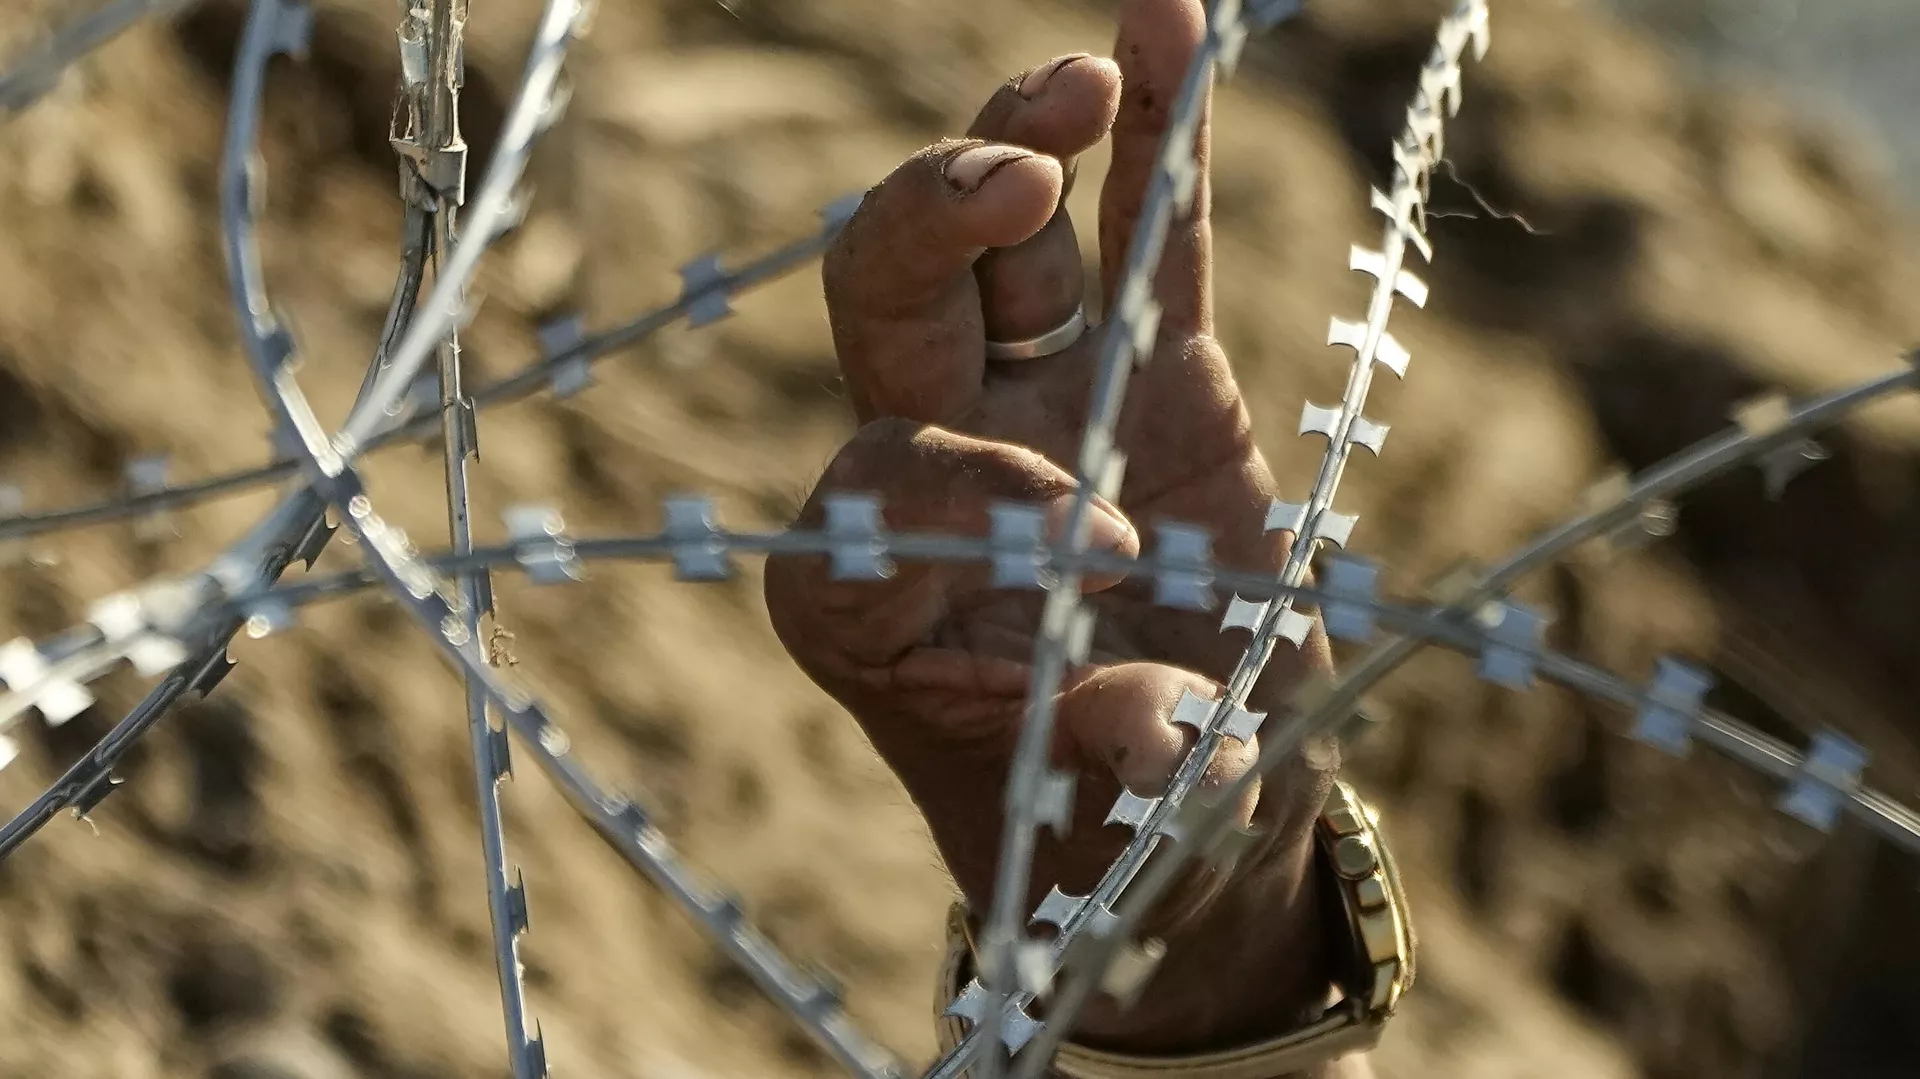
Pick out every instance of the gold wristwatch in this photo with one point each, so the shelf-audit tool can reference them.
(1375, 968)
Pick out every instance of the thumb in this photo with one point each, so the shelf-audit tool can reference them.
(929, 479)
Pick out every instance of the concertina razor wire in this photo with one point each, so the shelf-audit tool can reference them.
(179, 628)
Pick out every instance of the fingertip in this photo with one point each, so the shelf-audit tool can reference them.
(1100, 76)
(1006, 194)
(1122, 717)
(1113, 531)
(1109, 529)
(1074, 110)
(1155, 48)
(1034, 82)
(1170, 23)
(1093, 73)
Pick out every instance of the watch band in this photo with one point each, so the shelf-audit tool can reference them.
(1374, 972)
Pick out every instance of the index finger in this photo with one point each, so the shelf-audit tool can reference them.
(901, 296)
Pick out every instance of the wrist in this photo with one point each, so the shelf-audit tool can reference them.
(1364, 958)
(1257, 963)
(1241, 1001)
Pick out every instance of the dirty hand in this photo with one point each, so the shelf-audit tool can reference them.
(968, 242)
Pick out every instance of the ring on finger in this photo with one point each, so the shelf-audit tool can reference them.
(1053, 341)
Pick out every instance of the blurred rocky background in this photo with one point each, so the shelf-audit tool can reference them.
(1845, 61)
(288, 887)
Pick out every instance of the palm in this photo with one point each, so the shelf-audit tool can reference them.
(1189, 461)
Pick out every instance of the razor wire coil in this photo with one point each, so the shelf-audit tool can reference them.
(178, 628)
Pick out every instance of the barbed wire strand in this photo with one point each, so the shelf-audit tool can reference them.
(1610, 504)
(1416, 150)
(696, 551)
(563, 368)
(1343, 426)
(39, 69)
(296, 531)
(432, 180)
(1327, 710)
(1313, 522)
(551, 556)
(434, 172)
(434, 602)
(1037, 793)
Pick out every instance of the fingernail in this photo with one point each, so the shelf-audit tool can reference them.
(1100, 503)
(1036, 79)
(970, 168)
(1110, 529)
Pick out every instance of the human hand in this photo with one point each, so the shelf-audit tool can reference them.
(966, 242)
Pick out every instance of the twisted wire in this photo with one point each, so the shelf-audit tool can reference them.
(434, 156)
(1484, 634)
(496, 208)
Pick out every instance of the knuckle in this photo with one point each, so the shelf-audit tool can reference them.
(874, 457)
(1234, 759)
(837, 263)
(924, 472)
(896, 202)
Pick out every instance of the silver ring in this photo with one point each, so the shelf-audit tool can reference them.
(1047, 344)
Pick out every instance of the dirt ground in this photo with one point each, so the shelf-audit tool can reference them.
(288, 886)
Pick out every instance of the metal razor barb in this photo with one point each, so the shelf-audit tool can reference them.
(1502, 637)
(1505, 638)
(433, 177)
(448, 610)
(568, 352)
(1344, 426)
(1037, 793)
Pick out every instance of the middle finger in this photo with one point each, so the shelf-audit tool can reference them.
(1157, 43)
